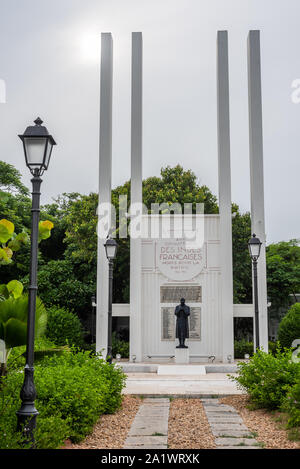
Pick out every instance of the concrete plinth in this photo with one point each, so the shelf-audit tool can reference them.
(182, 355)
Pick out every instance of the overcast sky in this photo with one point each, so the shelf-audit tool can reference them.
(49, 60)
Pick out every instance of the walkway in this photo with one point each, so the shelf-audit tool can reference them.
(150, 426)
(227, 426)
(149, 429)
(153, 384)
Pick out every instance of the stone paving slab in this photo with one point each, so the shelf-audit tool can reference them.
(238, 447)
(149, 428)
(221, 415)
(242, 442)
(225, 419)
(145, 447)
(146, 440)
(227, 426)
(221, 408)
(232, 434)
(157, 400)
(147, 416)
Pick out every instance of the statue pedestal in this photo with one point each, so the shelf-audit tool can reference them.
(182, 355)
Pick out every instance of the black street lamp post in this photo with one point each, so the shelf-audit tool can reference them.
(111, 252)
(93, 322)
(38, 144)
(254, 246)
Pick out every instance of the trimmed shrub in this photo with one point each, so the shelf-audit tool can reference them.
(63, 327)
(267, 378)
(291, 404)
(241, 347)
(289, 327)
(119, 346)
(73, 390)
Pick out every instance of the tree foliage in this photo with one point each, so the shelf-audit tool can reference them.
(289, 327)
(283, 273)
(10, 180)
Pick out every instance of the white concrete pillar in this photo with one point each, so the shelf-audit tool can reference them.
(257, 176)
(105, 169)
(136, 195)
(225, 195)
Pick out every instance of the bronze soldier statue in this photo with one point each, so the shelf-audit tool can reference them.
(182, 313)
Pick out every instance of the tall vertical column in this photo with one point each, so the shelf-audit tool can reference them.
(136, 195)
(225, 195)
(257, 176)
(105, 169)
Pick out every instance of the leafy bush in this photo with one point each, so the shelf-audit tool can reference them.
(61, 285)
(73, 390)
(64, 327)
(16, 359)
(241, 347)
(273, 347)
(267, 378)
(289, 327)
(119, 346)
(291, 404)
(13, 324)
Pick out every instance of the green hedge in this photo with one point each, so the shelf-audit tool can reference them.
(289, 327)
(267, 378)
(119, 346)
(73, 390)
(63, 327)
(241, 347)
(291, 404)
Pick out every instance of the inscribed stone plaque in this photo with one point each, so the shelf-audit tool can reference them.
(173, 294)
(168, 323)
(178, 262)
(195, 323)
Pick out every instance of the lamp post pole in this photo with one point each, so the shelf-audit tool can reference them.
(109, 328)
(111, 248)
(93, 322)
(37, 144)
(254, 246)
(256, 314)
(27, 414)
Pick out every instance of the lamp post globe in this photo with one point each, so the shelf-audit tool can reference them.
(254, 246)
(37, 145)
(111, 248)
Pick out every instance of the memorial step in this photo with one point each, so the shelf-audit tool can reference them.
(181, 370)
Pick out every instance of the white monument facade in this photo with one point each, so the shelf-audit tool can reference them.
(164, 267)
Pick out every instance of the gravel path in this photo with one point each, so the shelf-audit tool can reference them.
(188, 425)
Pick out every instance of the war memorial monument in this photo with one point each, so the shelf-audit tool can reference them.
(164, 266)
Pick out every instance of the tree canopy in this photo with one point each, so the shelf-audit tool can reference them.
(68, 259)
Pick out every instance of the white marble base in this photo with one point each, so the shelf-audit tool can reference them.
(181, 370)
(182, 355)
